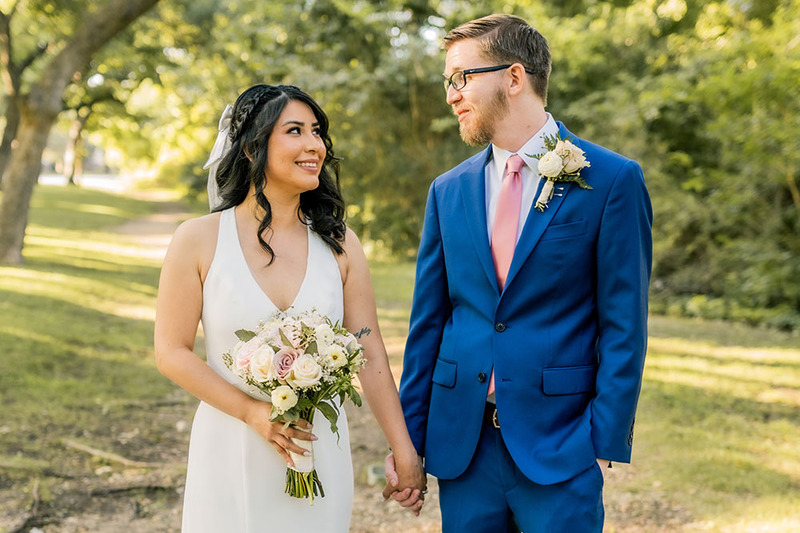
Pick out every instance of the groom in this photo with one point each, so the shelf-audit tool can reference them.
(527, 339)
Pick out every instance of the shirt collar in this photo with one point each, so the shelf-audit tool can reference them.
(533, 147)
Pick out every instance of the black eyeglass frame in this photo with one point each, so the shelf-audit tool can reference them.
(448, 80)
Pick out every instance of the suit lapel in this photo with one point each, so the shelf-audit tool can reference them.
(537, 222)
(473, 193)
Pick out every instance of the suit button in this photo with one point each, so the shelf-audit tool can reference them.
(500, 327)
(481, 377)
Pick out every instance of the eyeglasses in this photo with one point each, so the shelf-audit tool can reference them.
(458, 80)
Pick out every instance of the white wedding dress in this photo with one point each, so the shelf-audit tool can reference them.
(235, 480)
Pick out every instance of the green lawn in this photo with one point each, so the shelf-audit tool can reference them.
(716, 446)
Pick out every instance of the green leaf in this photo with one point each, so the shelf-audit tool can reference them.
(312, 347)
(244, 335)
(331, 414)
(355, 397)
(284, 338)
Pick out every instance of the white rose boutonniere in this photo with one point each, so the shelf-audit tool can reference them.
(562, 162)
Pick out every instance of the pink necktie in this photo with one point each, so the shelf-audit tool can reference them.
(506, 222)
(506, 219)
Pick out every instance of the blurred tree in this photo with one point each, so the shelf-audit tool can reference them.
(12, 68)
(41, 104)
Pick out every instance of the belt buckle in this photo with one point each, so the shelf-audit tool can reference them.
(495, 420)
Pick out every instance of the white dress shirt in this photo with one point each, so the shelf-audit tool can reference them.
(495, 169)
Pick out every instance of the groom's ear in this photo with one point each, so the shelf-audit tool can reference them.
(517, 79)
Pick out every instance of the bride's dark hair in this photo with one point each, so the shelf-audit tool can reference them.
(254, 116)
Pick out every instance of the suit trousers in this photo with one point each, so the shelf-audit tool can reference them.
(493, 496)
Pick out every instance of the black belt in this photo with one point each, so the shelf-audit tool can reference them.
(490, 415)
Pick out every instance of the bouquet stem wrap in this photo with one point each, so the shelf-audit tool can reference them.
(302, 480)
(303, 463)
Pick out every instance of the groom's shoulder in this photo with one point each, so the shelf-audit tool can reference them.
(606, 155)
(602, 158)
(468, 166)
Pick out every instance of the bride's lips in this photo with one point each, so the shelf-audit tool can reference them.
(311, 165)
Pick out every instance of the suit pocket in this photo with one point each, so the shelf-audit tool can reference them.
(564, 231)
(568, 380)
(444, 373)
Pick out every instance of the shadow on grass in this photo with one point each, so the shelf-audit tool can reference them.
(714, 452)
(65, 370)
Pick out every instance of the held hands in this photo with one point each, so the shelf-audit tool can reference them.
(277, 433)
(406, 481)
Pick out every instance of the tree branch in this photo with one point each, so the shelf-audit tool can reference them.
(6, 60)
(96, 29)
(109, 456)
(40, 50)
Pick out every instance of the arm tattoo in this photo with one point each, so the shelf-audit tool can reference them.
(364, 332)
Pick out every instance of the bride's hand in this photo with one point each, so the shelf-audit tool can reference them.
(277, 433)
(406, 481)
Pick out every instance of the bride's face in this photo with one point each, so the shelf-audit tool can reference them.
(295, 151)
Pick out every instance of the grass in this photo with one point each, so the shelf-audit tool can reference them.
(716, 446)
(76, 325)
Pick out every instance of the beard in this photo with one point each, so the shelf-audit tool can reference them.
(485, 120)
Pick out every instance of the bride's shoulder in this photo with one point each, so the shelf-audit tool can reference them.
(197, 235)
(199, 229)
(353, 258)
(351, 242)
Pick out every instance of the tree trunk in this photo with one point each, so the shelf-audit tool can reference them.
(73, 155)
(22, 175)
(39, 110)
(9, 133)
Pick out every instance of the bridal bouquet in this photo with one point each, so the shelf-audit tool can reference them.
(304, 362)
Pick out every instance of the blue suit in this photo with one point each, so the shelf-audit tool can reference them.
(566, 337)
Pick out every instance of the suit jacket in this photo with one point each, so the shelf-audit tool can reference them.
(567, 336)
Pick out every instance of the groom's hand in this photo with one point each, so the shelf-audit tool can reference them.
(414, 483)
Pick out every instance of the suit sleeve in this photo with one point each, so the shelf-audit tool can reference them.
(430, 310)
(624, 261)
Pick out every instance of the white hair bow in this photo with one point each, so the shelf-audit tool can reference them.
(221, 146)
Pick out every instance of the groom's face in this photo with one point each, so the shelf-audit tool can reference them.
(482, 102)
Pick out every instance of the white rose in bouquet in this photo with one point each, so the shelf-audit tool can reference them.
(261, 364)
(324, 335)
(306, 372)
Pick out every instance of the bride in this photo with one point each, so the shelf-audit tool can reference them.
(276, 241)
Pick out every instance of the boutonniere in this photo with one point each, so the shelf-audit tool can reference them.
(562, 162)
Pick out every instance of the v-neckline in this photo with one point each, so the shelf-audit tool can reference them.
(253, 277)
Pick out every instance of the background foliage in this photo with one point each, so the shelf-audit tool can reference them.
(704, 94)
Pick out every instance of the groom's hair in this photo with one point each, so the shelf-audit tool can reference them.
(508, 39)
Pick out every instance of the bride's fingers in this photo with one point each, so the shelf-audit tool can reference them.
(402, 495)
(417, 507)
(411, 499)
(290, 446)
(299, 434)
(282, 452)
